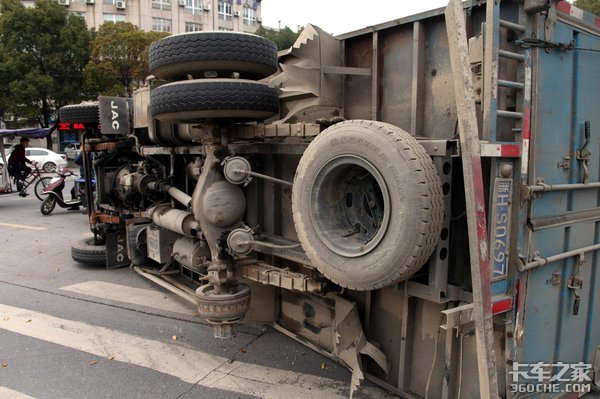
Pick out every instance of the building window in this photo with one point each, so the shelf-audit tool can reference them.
(113, 17)
(161, 4)
(224, 10)
(249, 16)
(161, 25)
(194, 6)
(108, 2)
(193, 27)
(225, 29)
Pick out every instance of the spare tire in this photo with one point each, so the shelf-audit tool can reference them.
(194, 100)
(367, 204)
(79, 113)
(86, 252)
(223, 53)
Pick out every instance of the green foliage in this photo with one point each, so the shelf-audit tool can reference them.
(592, 6)
(283, 38)
(43, 51)
(119, 59)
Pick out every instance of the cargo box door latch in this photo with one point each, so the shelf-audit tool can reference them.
(575, 283)
(584, 154)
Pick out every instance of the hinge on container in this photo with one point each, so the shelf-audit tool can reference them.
(529, 42)
(565, 163)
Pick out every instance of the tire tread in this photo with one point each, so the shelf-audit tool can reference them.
(84, 253)
(212, 46)
(79, 113)
(201, 95)
(430, 219)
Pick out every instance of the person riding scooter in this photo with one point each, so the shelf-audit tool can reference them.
(55, 195)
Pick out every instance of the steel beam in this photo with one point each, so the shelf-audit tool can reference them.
(475, 198)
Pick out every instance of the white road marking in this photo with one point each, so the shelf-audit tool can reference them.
(137, 296)
(88, 234)
(187, 364)
(22, 226)
(6, 393)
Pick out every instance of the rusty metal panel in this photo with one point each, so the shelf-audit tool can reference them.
(309, 317)
(141, 99)
(396, 76)
(359, 53)
(384, 325)
(264, 304)
(288, 169)
(404, 93)
(439, 104)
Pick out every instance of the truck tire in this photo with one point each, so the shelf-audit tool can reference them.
(194, 100)
(223, 53)
(367, 204)
(85, 252)
(79, 113)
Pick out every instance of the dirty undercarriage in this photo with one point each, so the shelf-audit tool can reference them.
(321, 190)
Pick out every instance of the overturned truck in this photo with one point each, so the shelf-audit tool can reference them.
(417, 200)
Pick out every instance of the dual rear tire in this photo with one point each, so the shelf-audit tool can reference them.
(212, 59)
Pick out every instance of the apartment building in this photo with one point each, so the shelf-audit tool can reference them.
(173, 16)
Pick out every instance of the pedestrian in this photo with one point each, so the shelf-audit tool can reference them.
(79, 161)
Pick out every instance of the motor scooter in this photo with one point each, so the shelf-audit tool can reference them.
(54, 193)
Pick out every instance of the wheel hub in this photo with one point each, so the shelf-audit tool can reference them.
(350, 206)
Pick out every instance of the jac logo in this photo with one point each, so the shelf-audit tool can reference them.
(121, 256)
(116, 250)
(115, 115)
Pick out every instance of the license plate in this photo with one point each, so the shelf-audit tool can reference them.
(500, 230)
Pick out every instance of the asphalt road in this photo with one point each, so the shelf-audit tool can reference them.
(69, 331)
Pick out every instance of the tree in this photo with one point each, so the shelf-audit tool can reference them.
(43, 51)
(283, 38)
(119, 59)
(592, 6)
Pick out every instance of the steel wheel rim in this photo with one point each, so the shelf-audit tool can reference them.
(49, 205)
(350, 206)
(49, 167)
(42, 186)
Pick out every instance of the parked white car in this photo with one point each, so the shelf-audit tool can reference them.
(47, 160)
(72, 150)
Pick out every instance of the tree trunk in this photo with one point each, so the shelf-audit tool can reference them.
(44, 122)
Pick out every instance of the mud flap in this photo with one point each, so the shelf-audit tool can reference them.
(116, 250)
(351, 342)
(115, 115)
